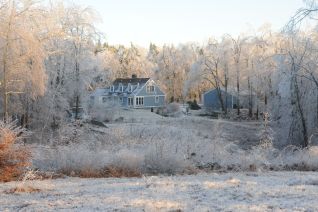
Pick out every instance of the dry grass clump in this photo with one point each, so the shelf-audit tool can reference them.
(14, 158)
(118, 172)
(26, 189)
(109, 171)
(26, 185)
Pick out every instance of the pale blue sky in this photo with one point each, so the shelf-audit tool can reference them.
(180, 21)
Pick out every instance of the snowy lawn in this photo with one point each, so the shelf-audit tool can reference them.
(253, 191)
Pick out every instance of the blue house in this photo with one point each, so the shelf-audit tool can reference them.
(211, 100)
(130, 93)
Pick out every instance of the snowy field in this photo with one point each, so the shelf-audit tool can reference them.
(252, 191)
(219, 154)
(150, 144)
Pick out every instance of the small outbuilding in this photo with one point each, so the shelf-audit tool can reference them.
(211, 100)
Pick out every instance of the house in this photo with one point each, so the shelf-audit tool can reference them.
(210, 100)
(130, 93)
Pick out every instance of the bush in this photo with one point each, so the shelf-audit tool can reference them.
(104, 113)
(14, 158)
(172, 110)
(194, 105)
(173, 107)
(165, 163)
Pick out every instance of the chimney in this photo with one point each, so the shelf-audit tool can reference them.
(134, 76)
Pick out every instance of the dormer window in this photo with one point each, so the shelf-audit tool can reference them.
(150, 89)
(120, 88)
(129, 87)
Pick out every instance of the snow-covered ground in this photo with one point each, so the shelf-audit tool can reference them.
(151, 144)
(147, 142)
(252, 191)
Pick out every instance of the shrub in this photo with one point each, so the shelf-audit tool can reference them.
(14, 158)
(173, 110)
(194, 105)
(173, 107)
(104, 113)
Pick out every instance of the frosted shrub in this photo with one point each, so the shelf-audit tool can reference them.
(266, 133)
(104, 112)
(14, 158)
(162, 158)
(295, 158)
(128, 160)
(172, 110)
(72, 158)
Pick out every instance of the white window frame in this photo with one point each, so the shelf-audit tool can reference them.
(157, 99)
(149, 90)
(130, 101)
(140, 100)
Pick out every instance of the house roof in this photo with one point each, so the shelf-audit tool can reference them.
(124, 87)
(130, 80)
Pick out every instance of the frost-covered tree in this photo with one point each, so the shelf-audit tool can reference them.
(292, 104)
(71, 63)
(209, 67)
(237, 48)
(22, 55)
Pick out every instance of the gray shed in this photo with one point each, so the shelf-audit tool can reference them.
(211, 100)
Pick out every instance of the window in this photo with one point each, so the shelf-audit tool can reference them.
(130, 101)
(121, 100)
(112, 88)
(157, 99)
(139, 101)
(104, 99)
(150, 89)
(129, 87)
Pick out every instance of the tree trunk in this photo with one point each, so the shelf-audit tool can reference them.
(302, 116)
(225, 86)
(317, 108)
(4, 92)
(250, 99)
(219, 91)
(77, 108)
(238, 87)
(5, 70)
(238, 98)
(77, 90)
